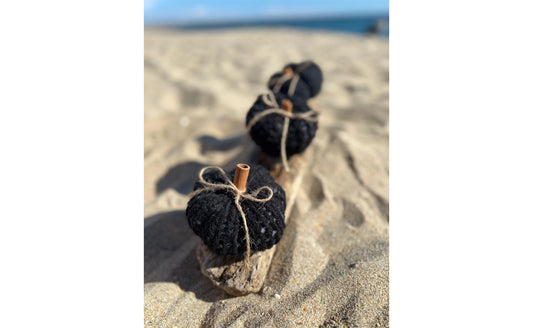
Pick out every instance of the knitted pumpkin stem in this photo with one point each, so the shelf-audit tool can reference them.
(288, 71)
(241, 176)
(286, 104)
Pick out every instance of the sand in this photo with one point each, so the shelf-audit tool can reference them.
(331, 267)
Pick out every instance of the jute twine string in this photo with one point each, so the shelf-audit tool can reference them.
(270, 100)
(294, 78)
(238, 195)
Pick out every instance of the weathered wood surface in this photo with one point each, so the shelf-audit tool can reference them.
(229, 272)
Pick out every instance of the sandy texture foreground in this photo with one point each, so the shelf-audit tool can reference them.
(331, 266)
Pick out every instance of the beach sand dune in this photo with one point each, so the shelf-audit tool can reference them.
(331, 267)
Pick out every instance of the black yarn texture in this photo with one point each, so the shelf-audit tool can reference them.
(308, 85)
(214, 217)
(267, 132)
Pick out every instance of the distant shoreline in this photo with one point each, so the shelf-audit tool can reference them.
(375, 24)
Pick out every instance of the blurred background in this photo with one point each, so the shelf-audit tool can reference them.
(364, 16)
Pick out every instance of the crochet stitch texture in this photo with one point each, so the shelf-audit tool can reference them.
(213, 216)
(267, 132)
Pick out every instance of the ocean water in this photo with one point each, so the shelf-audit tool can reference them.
(361, 25)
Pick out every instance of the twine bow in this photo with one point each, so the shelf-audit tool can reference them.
(238, 195)
(270, 100)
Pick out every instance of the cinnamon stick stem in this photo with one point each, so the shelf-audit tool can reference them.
(286, 104)
(241, 176)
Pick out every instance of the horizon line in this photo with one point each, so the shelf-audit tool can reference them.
(263, 19)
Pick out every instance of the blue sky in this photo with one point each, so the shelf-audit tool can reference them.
(164, 11)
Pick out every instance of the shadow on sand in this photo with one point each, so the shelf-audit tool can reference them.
(170, 256)
(182, 176)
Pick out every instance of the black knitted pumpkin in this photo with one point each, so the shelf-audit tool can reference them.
(214, 217)
(309, 82)
(267, 131)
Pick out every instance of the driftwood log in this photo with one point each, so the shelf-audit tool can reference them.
(230, 272)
